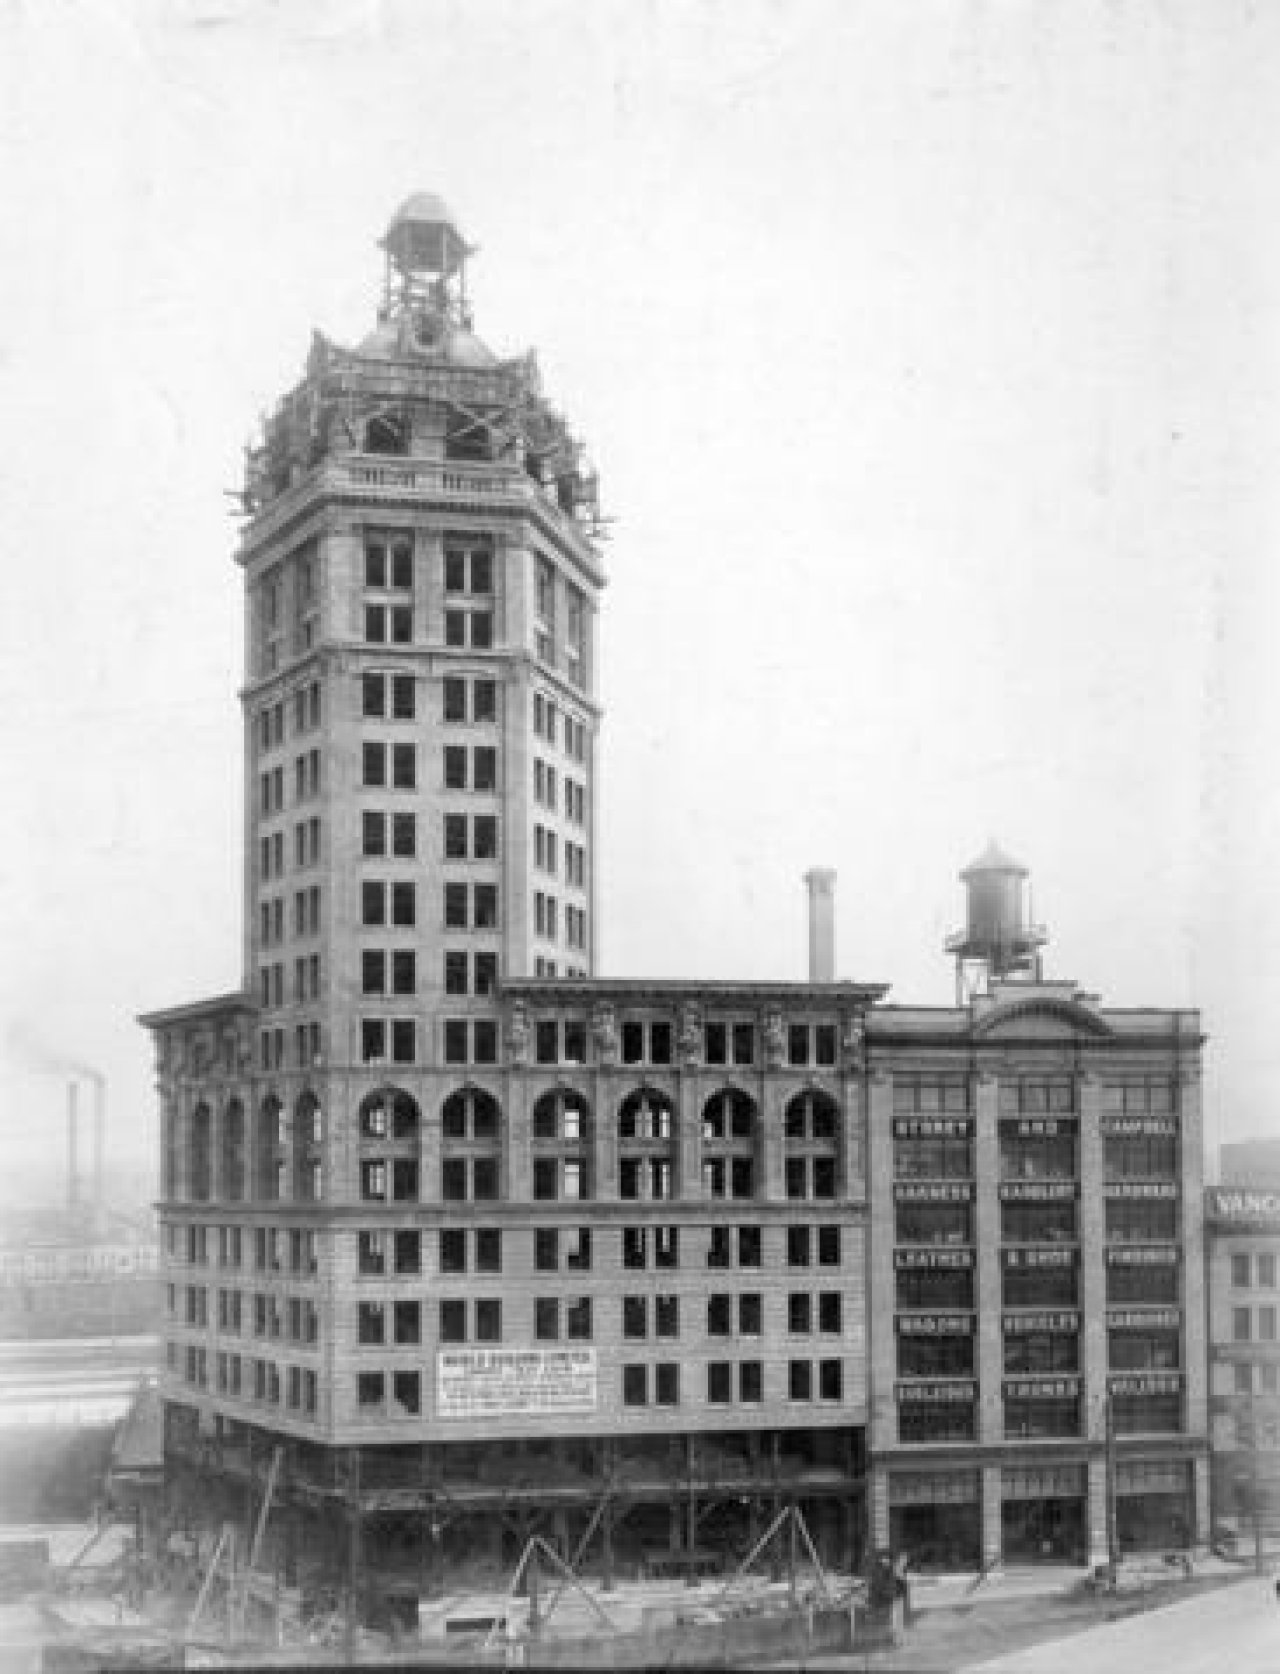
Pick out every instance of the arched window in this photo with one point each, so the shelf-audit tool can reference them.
(269, 1151)
(386, 433)
(729, 1144)
(232, 1164)
(308, 1149)
(811, 1126)
(562, 1146)
(471, 1149)
(646, 1148)
(200, 1177)
(388, 1126)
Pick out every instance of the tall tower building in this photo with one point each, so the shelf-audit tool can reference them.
(421, 586)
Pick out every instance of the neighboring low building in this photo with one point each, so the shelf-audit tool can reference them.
(1034, 1182)
(1242, 1233)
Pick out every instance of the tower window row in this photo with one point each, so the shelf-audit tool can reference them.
(306, 706)
(549, 721)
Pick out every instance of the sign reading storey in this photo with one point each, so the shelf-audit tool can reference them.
(496, 1383)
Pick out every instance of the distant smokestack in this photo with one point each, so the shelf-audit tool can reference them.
(821, 884)
(99, 1139)
(73, 1146)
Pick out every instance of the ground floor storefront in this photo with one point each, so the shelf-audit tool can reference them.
(404, 1523)
(977, 1512)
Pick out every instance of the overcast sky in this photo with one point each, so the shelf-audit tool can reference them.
(929, 356)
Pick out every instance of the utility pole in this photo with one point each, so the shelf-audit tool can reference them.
(353, 1554)
(1113, 1544)
(1255, 1479)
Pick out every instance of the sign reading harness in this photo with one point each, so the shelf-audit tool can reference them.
(491, 1383)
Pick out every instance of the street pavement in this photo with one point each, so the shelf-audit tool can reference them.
(1234, 1630)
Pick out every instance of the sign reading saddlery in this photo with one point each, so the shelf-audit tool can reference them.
(495, 1383)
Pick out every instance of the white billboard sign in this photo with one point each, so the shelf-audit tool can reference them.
(497, 1383)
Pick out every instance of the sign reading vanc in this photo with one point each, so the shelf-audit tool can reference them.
(1227, 1204)
(499, 1383)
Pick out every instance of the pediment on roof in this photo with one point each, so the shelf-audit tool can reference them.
(1039, 1018)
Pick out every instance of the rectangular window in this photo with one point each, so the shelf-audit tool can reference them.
(373, 832)
(455, 906)
(489, 1321)
(402, 565)
(453, 1322)
(635, 1386)
(374, 765)
(720, 1382)
(453, 1251)
(1240, 1272)
(373, 690)
(484, 837)
(455, 767)
(408, 1255)
(404, 766)
(455, 698)
(455, 1041)
(403, 705)
(1241, 1326)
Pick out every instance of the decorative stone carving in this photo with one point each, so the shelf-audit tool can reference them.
(604, 1027)
(775, 1039)
(689, 1036)
(853, 1042)
(518, 1034)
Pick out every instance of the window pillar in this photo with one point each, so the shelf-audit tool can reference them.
(1098, 1530)
(518, 1156)
(604, 1118)
(882, 1281)
(851, 1156)
(1093, 1258)
(771, 1142)
(989, 1297)
(689, 1118)
(992, 1514)
(429, 1151)
(1191, 1209)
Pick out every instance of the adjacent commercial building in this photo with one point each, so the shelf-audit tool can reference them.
(467, 1241)
(1242, 1233)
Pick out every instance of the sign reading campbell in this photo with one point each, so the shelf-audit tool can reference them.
(495, 1383)
(1229, 1203)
